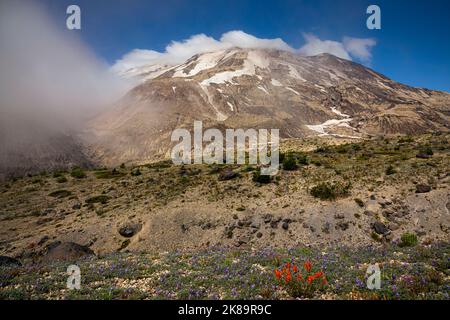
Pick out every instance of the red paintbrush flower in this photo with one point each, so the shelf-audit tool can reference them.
(308, 266)
(318, 274)
(288, 277)
(277, 273)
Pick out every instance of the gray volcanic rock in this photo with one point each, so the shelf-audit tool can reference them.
(8, 261)
(65, 251)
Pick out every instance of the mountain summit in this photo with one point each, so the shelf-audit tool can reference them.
(259, 88)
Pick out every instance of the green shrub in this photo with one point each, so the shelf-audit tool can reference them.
(426, 150)
(330, 191)
(78, 173)
(107, 174)
(289, 163)
(390, 171)
(60, 194)
(98, 199)
(61, 179)
(136, 172)
(302, 159)
(258, 177)
(408, 240)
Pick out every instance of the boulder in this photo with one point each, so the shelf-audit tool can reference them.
(66, 251)
(380, 228)
(227, 174)
(129, 230)
(423, 188)
(9, 262)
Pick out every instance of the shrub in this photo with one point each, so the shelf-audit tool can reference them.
(330, 191)
(61, 179)
(300, 281)
(390, 170)
(408, 240)
(107, 174)
(359, 202)
(426, 150)
(98, 199)
(60, 194)
(302, 159)
(78, 173)
(289, 163)
(136, 172)
(258, 177)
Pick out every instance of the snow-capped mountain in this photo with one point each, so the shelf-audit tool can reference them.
(260, 88)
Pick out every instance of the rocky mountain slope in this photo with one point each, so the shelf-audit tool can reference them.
(257, 88)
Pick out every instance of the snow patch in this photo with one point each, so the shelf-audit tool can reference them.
(293, 73)
(220, 116)
(290, 89)
(263, 89)
(276, 83)
(203, 62)
(252, 61)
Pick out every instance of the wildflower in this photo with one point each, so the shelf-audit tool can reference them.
(295, 268)
(288, 277)
(277, 273)
(310, 279)
(308, 266)
(299, 277)
(318, 274)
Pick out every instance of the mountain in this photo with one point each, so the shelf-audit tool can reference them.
(258, 88)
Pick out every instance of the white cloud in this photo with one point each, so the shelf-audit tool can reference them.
(179, 51)
(315, 46)
(359, 48)
(244, 40)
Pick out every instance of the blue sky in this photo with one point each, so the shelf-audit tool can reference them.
(413, 45)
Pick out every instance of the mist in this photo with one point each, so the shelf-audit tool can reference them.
(46, 70)
(50, 85)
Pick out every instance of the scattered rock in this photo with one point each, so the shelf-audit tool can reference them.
(43, 240)
(285, 225)
(326, 228)
(342, 225)
(206, 226)
(259, 235)
(267, 218)
(130, 230)
(423, 156)
(423, 188)
(393, 226)
(380, 228)
(227, 174)
(228, 232)
(370, 213)
(76, 206)
(66, 251)
(8, 261)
